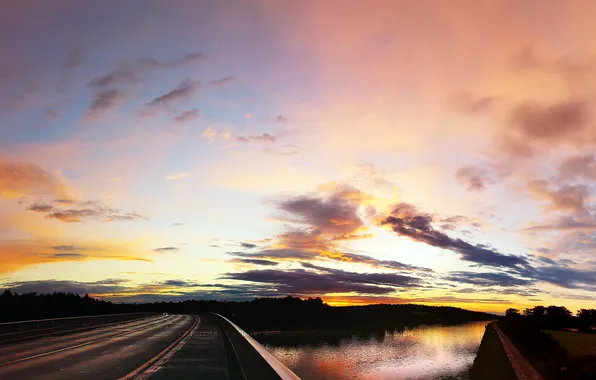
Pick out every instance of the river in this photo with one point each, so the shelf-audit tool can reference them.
(423, 352)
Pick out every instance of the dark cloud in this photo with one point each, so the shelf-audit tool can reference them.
(177, 224)
(166, 249)
(119, 76)
(488, 279)
(407, 221)
(332, 215)
(257, 262)
(183, 92)
(547, 260)
(566, 277)
(248, 245)
(71, 255)
(262, 137)
(324, 280)
(68, 248)
(452, 222)
(281, 119)
(185, 116)
(222, 81)
(476, 179)
(297, 254)
(133, 71)
(104, 102)
(80, 211)
(50, 286)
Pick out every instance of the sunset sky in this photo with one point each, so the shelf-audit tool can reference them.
(437, 152)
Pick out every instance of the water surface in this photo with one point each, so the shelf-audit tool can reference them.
(424, 352)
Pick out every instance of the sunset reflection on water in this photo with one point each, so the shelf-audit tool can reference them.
(424, 352)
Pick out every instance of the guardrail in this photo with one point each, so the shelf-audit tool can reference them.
(274, 364)
(11, 332)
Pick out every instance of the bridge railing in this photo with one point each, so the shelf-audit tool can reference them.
(242, 342)
(22, 330)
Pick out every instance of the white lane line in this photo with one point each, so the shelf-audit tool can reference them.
(158, 360)
(72, 347)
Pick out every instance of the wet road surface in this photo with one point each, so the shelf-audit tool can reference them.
(105, 353)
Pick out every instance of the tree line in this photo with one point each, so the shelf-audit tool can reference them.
(287, 313)
(556, 317)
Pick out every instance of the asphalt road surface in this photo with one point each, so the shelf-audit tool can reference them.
(132, 350)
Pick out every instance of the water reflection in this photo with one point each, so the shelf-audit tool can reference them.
(425, 352)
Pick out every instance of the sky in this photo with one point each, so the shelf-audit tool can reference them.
(435, 152)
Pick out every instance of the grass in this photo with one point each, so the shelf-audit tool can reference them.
(491, 360)
(577, 345)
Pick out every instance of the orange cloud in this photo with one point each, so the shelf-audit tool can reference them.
(19, 179)
(17, 254)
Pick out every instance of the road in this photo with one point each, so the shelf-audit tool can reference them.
(523, 369)
(132, 350)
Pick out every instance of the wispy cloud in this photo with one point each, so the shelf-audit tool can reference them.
(222, 81)
(77, 211)
(132, 72)
(104, 102)
(189, 115)
(177, 176)
(184, 91)
(265, 137)
(166, 249)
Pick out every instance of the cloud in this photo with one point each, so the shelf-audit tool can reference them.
(68, 248)
(185, 116)
(569, 198)
(468, 104)
(578, 167)
(222, 81)
(407, 221)
(335, 214)
(211, 134)
(488, 279)
(51, 115)
(104, 102)
(166, 249)
(256, 262)
(476, 179)
(324, 280)
(177, 176)
(133, 71)
(533, 124)
(248, 245)
(74, 59)
(323, 222)
(22, 178)
(262, 137)
(80, 211)
(184, 91)
(50, 286)
(281, 119)
(289, 151)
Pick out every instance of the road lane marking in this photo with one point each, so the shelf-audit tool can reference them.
(73, 347)
(166, 353)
